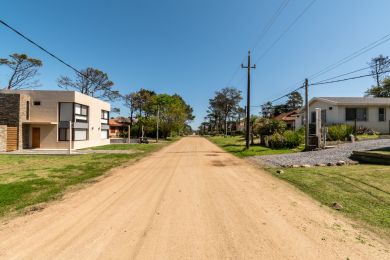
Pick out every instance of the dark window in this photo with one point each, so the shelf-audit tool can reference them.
(382, 114)
(323, 116)
(358, 114)
(28, 110)
(37, 103)
(330, 108)
(63, 134)
(313, 117)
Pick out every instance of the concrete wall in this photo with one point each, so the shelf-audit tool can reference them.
(3, 138)
(95, 108)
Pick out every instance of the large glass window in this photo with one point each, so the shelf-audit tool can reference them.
(80, 113)
(382, 114)
(63, 134)
(358, 114)
(104, 117)
(66, 112)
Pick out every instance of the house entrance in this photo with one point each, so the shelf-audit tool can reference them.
(36, 137)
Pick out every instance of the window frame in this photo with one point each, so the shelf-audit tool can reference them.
(27, 110)
(81, 113)
(355, 117)
(384, 114)
(102, 113)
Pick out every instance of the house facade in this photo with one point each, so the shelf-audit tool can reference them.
(49, 119)
(119, 127)
(372, 113)
(289, 118)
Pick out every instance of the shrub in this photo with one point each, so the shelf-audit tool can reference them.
(276, 141)
(293, 139)
(339, 132)
(271, 127)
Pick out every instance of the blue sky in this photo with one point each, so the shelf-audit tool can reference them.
(193, 47)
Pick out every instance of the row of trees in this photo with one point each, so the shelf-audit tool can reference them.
(146, 106)
(171, 112)
(224, 112)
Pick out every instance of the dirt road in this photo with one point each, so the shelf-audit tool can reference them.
(187, 201)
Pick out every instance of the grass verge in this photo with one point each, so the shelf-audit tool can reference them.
(27, 180)
(236, 146)
(362, 190)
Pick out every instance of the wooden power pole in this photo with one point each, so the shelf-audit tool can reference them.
(248, 99)
(307, 111)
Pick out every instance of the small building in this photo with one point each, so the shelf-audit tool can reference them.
(119, 127)
(46, 119)
(369, 112)
(289, 118)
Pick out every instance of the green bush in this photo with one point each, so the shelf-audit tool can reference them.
(276, 141)
(293, 139)
(272, 126)
(339, 132)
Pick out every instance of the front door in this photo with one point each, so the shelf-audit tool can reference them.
(36, 137)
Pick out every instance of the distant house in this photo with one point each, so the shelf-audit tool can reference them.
(289, 118)
(119, 127)
(369, 112)
(49, 119)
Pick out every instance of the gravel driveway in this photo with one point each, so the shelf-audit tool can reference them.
(332, 155)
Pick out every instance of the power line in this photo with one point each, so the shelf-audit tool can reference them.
(345, 74)
(268, 26)
(352, 56)
(271, 22)
(345, 79)
(288, 28)
(43, 49)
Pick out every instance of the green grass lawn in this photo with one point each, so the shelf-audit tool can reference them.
(362, 190)
(366, 136)
(236, 146)
(382, 150)
(27, 180)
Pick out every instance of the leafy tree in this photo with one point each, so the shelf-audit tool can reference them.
(379, 68)
(91, 82)
(174, 112)
(267, 110)
(280, 109)
(295, 101)
(224, 104)
(23, 70)
(380, 91)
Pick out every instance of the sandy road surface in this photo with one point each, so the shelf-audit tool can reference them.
(187, 201)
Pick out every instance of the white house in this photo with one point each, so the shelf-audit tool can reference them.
(370, 112)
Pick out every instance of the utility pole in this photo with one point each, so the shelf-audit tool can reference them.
(248, 98)
(158, 122)
(307, 111)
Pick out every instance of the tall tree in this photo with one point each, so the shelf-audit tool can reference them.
(267, 110)
(379, 68)
(23, 70)
(295, 101)
(225, 103)
(382, 91)
(91, 82)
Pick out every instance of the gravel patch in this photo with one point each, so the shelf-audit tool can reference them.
(341, 152)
